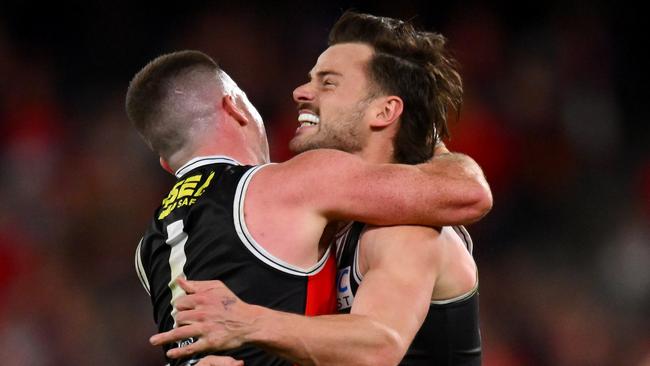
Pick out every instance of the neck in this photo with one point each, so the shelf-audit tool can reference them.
(377, 152)
(225, 147)
(244, 156)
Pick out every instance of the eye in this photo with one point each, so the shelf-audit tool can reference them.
(328, 82)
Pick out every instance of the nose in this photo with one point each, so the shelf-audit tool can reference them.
(303, 94)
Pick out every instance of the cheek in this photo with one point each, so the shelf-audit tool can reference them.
(333, 108)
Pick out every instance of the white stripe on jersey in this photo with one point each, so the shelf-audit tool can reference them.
(458, 298)
(204, 160)
(358, 276)
(340, 239)
(253, 246)
(341, 243)
(139, 269)
(176, 238)
(464, 235)
(467, 240)
(356, 269)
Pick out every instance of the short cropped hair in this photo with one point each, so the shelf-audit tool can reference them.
(413, 65)
(154, 100)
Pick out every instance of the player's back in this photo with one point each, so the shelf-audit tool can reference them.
(199, 232)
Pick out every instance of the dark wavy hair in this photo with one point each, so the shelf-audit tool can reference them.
(413, 65)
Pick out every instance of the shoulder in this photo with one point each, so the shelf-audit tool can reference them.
(319, 159)
(404, 243)
(417, 235)
(312, 171)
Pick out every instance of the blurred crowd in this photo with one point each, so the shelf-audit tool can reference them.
(552, 113)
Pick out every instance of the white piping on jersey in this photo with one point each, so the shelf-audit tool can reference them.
(467, 239)
(176, 239)
(356, 270)
(464, 296)
(464, 235)
(139, 269)
(204, 160)
(253, 246)
(460, 231)
(345, 230)
(340, 237)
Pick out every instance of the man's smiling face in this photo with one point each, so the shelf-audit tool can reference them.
(332, 105)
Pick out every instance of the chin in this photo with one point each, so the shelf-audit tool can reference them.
(298, 147)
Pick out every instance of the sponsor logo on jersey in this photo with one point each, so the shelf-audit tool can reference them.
(184, 193)
(343, 289)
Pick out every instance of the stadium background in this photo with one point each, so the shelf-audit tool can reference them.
(554, 112)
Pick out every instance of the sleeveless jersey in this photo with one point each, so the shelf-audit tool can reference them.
(199, 232)
(450, 332)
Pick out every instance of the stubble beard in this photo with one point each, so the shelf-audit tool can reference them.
(343, 133)
(346, 139)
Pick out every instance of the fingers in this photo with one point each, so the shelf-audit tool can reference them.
(200, 346)
(187, 317)
(202, 298)
(186, 302)
(176, 334)
(219, 361)
(187, 286)
(200, 293)
(192, 287)
(198, 300)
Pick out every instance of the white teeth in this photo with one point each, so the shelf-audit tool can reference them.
(308, 117)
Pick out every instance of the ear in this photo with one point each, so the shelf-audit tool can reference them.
(165, 165)
(230, 106)
(388, 110)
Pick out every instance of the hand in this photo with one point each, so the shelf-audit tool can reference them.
(219, 361)
(212, 314)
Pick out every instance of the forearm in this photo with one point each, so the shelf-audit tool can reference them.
(461, 195)
(326, 340)
(448, 190)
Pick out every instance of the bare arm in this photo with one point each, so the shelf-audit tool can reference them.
(389, 308)
(459, 175)
(448, 190)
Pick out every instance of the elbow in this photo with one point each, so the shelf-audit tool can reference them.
(389, 352)
(480, 202)
(484, 200)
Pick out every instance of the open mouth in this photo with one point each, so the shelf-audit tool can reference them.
(308, 119)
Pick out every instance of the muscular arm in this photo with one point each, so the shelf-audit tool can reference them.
(322, 186)
(448, 190)
(388, 309)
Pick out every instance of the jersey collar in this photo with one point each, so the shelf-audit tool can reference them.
(204, 160)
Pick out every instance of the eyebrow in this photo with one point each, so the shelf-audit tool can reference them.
(323, 73)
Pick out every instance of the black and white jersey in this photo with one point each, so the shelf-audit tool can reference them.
(199, 232)
(450, 333)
